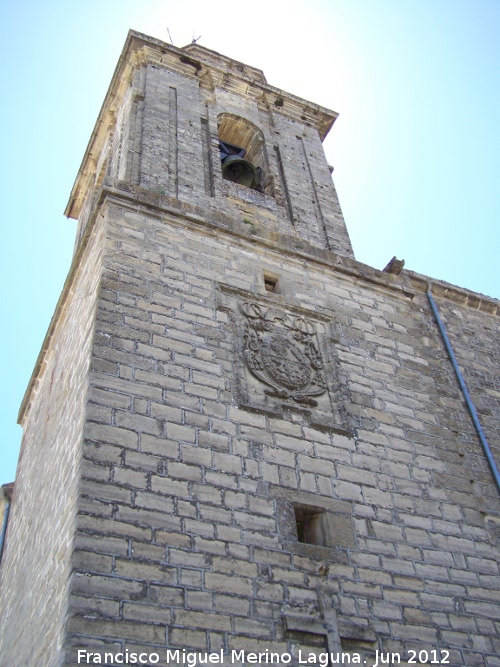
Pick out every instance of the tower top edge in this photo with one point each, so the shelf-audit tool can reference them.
(192, 60)
(202, 53)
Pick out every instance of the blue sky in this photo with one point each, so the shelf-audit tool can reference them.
(416, 148)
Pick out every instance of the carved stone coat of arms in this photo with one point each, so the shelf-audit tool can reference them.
(280, 350)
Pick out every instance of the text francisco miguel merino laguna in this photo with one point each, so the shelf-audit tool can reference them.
(195, 658)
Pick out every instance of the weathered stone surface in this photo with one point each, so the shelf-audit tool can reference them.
(165, 475)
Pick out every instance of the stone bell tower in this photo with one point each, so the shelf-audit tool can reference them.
(173, 114)
(235, 433)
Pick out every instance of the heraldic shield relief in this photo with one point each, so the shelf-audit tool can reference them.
(280, 351)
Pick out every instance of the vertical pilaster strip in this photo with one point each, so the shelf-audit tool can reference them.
(173, 161)
(284, 186)
(118, 138)
(207, 158)
(317, 207)
(137, 123)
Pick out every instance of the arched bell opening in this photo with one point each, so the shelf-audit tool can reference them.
(243, 153)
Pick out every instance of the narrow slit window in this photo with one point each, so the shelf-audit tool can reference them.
(270, 283)
(310, 528)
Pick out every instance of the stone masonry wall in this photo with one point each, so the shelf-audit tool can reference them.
(177, 132)
(36, 563)
(240, 438)
(474, 335)
(186, 528)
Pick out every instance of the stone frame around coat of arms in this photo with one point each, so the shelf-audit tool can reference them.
(284, 358)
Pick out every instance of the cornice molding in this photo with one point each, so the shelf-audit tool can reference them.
(458, 295)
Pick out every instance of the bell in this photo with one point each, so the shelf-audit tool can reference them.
(238, 170)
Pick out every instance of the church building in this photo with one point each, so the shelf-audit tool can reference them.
(241, 445)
